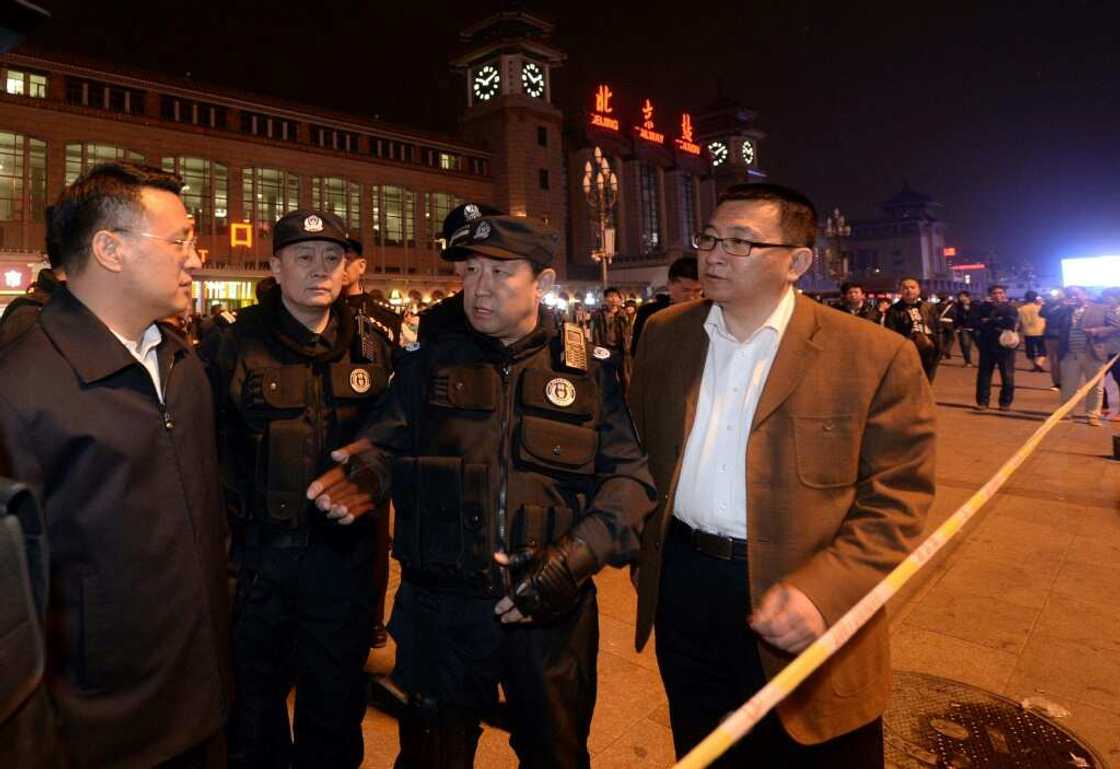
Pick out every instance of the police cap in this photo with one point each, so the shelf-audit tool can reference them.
(305, 224)
(504, 237)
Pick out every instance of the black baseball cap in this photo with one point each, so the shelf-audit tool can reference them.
(504, 237)
(305, 224)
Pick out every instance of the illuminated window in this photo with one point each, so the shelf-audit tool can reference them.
(687, 205)
(437, 205)
(37, 86)
(268, 194)
(340, 197)
(23, 177)
(205, 191)
(82, 157)
(394, 215)
(650, 195)
(14, 83)
(20, 83)
(450, 162)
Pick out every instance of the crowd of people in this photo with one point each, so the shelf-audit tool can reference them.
(1067, 334)
(218, 512)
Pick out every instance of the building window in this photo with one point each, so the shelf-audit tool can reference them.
(256, 124)
(437, 205)
(23, 178)
(192, 112)
(450, 162)
(339, 197)
(268, 194)
(542, 178)
(394, 215)
(90, 93)
(205, 192)
(20, 83)
(82, 157)
(687, 205)
(480, 167)
(542, 135)
(649, 191)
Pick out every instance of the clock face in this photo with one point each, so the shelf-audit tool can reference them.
(486, 82)
(532, 79)
(718, 151)
(747, 151)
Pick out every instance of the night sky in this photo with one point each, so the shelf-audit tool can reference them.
(1007, 113)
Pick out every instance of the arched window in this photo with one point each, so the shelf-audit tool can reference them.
(23, 178)
(205, 191)
(82, 157)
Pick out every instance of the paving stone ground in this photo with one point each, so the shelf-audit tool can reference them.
(1026, 603)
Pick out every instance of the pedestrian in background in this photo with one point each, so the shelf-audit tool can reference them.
(683, 286)
(995, 322)
(1050, 336)
(915, 319)
(962, 309)
(1080, 324)
(946, 313)
(1032, 327)
(854, 301)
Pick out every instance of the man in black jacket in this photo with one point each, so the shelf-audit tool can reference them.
(21, 313)
(293, 379)
(109, 418)
(515, 476)
(683, 286)
(915, 319)
(990, 319)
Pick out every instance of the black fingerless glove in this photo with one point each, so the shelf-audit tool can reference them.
(552, 578)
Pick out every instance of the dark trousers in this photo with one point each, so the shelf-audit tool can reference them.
(989, 359)
(709, 663)
(301, 616)
(965, 337)
(1036, 347)
(453, 653)
(381, 545)
(947, 335)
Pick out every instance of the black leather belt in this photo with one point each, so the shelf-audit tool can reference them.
(724, 548)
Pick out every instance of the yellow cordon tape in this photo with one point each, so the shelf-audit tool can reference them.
(747, 717)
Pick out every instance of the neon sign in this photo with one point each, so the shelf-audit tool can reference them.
(603, 108)
(685, 143)
(975, 266)
(950, 251)
(646, 131)
(241, 235)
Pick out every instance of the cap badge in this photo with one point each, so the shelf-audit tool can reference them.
(360, 381)
(560, 392)
(602, 353)
(471, 212)
(313, 224)
(483, 231)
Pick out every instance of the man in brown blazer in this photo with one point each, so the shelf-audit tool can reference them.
(793, 447)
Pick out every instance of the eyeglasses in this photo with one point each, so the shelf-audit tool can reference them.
(733, 246)
(186, 245)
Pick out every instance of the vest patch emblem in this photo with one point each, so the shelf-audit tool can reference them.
(560, 392)
(602, 353)
(360, 381)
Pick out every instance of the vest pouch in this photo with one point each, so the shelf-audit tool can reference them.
(557, 446)
(406, 518)
(357, 380)
(571, 397)
(471, 388)
(538, 525)
(286, 497)
(282, 387)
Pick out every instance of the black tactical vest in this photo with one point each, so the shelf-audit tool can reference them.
(294, 404)
(506, 441)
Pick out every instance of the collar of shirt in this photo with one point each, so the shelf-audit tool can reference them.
(144, 352)
(716, 324)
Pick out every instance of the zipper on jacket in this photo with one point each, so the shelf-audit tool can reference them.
(503, 462)
(165, 415)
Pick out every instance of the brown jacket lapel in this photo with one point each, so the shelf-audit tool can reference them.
(690, 369)
(795, 353)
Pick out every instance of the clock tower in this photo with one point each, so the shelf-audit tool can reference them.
(726, 130)
(508, 63)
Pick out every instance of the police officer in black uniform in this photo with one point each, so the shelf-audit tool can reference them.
(293, 379)
(515, 476)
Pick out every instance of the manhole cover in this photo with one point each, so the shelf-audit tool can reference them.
(934, 722)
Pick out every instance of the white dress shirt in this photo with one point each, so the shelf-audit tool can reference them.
(712, 491)
(145, 352)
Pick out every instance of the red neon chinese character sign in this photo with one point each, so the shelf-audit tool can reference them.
(646, 131)
(603, 108)
(685, 143)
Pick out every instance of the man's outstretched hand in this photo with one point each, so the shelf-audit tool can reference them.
(336, 494)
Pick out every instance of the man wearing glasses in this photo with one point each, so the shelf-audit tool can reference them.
(108, 417)
(294, 378)
(789, 489)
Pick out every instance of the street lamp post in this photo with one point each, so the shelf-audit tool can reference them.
(600, 188)
(836, 230)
